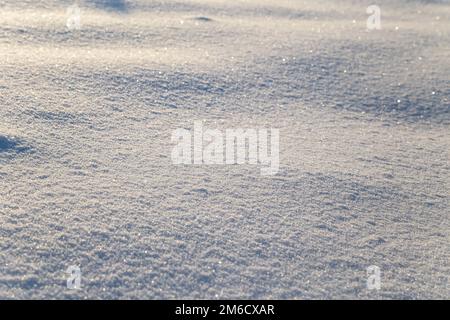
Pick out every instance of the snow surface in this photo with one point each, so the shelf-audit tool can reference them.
(86, 176)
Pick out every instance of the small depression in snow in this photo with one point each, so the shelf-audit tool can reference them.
(115, 5)
(203, 19)
(10, 144)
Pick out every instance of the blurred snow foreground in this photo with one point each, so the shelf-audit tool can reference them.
(359, 207)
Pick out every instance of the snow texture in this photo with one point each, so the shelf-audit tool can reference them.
(86, 176)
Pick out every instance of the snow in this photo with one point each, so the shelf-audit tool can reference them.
(86, 176)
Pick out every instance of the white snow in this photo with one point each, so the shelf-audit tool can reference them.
(86, 176)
